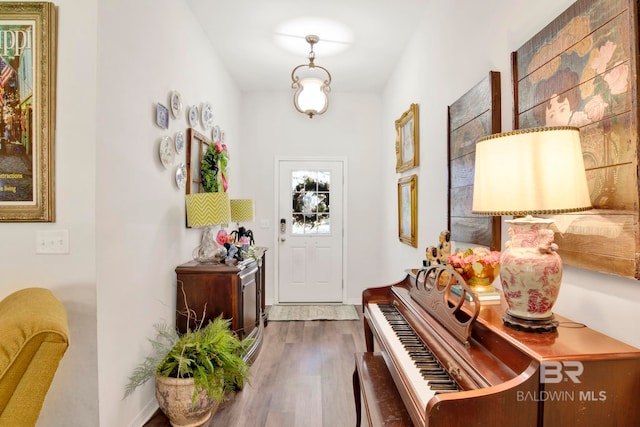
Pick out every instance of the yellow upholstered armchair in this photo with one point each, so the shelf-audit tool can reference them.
(34, 335)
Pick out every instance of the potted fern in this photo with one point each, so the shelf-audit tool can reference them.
(193, 371)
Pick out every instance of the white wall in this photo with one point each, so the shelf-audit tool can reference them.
(124, 214)
(351, 128)
(147, 48)
(116, 58)
(71, 277)
(440, 64)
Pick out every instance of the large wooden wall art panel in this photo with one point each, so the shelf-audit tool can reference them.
(581, 70)
(475, 114)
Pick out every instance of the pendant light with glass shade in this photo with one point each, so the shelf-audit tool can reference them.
(311, 83)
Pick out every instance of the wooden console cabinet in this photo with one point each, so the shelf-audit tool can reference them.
(235, 292)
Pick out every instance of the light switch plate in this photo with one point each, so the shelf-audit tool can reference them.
(52, 242)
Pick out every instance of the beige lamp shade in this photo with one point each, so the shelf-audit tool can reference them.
(242, 210)
(530, 171)
(205, 209)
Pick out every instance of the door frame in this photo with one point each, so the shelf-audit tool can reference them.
(276, 213)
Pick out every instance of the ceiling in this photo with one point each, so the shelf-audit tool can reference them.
(261, 41)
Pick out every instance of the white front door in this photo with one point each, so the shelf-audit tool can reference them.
(310, 234)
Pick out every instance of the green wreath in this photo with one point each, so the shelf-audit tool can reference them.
(209, 170)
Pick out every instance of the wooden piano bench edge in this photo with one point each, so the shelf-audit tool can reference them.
(373, 382)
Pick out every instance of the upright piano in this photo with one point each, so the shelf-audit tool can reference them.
(455, 363)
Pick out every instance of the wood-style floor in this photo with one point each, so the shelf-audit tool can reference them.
(301, 378)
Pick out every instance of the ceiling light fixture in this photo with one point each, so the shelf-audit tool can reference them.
(311, 87)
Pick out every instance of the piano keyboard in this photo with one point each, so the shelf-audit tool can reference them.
(425, 374)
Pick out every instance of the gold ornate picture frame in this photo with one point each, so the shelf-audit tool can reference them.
(408, 140)
(408, 210)
(28, 40)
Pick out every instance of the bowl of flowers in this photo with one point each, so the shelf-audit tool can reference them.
(478, 266)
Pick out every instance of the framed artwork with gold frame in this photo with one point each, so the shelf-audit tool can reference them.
(27, 123)
(408, 140)
(408, 210)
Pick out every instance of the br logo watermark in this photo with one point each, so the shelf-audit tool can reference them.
(562, 372)
(557, 372)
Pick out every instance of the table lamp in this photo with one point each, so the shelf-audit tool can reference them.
(520, 173)
(208, 210)
(242, 210)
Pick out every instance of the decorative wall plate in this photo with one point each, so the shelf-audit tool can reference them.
(175, 104)
(194, 116)
(207, 115)
(179, 139)
(216, 133)
(162, 116)
(181, 175)
(167, 152)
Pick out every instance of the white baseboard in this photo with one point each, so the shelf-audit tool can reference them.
(146, 414)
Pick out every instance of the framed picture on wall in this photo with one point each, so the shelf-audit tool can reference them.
(197, 145)
(475, 114)
(591, 83)
(407, 140)
(27, 122)
(408, 210)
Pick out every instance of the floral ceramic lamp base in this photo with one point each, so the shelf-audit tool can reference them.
(531, 274)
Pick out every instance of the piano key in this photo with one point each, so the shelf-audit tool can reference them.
(438, 387)
(428, 364)
(421, 353)
(440, 381)
(430, 369)
(434, 376)
(409, 356)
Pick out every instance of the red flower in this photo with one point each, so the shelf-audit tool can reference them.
(222, 237)
(469, 257)
(220, 147)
